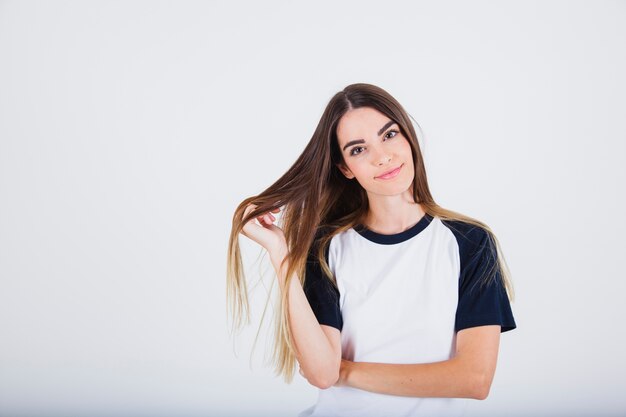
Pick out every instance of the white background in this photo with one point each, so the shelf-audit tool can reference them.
(130, 131)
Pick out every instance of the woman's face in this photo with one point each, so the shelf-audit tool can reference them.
(371, 145)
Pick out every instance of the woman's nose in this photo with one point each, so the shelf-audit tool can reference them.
(382, 157)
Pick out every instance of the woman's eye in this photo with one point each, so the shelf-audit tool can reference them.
(395, 132)
(352, 152)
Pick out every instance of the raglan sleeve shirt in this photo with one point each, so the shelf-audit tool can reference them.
(322, 295)
(481, 301)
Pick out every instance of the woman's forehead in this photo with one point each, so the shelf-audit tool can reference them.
(360, 123)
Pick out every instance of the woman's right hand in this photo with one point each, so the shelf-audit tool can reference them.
(268, 235)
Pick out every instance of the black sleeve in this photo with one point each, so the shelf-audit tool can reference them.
(481, 304)
(321, 293)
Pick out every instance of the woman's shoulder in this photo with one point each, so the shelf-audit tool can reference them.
(468, 234)
(329, 235)
(326, 230)
(321, 232)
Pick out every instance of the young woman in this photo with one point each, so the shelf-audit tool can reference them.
(390, 304)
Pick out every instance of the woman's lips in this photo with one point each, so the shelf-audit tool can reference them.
(391, 174)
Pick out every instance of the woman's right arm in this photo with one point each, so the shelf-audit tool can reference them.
(318, 347)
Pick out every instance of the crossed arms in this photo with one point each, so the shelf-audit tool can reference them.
(468, 374)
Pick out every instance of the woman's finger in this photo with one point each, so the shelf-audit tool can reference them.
(265, 219)
(249, 208)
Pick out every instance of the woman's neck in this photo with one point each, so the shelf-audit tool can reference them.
(392, 214)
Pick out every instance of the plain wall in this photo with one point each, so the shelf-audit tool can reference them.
(130, 131)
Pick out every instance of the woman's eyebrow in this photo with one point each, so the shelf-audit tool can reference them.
(380, 132)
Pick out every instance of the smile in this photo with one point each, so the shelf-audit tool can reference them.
(390, 174)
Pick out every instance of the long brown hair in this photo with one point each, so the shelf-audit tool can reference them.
(314, 194)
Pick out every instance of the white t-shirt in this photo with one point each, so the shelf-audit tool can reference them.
(401, 298)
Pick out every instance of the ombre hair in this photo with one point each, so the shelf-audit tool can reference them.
(314, 195)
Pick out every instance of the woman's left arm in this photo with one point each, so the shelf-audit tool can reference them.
(467, 375)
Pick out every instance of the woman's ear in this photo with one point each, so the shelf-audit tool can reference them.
(345, 170)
